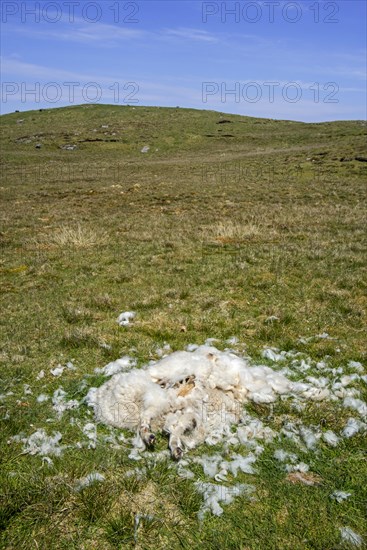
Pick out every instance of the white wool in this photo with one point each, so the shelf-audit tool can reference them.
(39, 443)
(221, 383)
(284, 456)
(348, 379)
(299, 387)
(356, 365)
(254, 429)
(238, 462)
(209, 463)
(120, 365)
(60, 405)
(331, 438)
(210, 341)
(233, 340)
(352, 427)
(214, 494)
(273, 354)
(191, 347)
(291, 431)
(125, 318)
(339, 496)
(316, 393)
(184, 472)
(324, 336)
(42, 397)
(162, 352)
(341, 392)
(138, 447)
(321, 365)
(356, 404)
(214, 465)
(221, 476)
(350, 537)
(57, 371)
(321, 382)
(89, 480)
(300, 467)
(310, 437)
(90, 430)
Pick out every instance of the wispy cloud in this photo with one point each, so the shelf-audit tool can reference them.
(107, 35)
(196, 35)
(102, 34)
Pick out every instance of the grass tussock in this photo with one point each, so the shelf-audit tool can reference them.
(77, 236)
(231, 231)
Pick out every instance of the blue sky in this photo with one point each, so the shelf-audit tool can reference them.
(302, 60)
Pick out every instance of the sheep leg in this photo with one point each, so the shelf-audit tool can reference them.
(145, 432)
(184, 424)
(175, 446)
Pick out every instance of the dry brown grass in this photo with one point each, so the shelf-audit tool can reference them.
(78, 236)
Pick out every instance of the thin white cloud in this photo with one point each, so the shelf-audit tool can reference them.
(193, 35)
(100, 34)
(105, 34)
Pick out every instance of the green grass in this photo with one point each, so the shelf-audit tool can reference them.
(203, 236)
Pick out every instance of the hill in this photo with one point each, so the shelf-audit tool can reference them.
(248, 230)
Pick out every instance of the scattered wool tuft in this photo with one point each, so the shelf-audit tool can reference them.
(120, 365)
(284, 456)
(233, 340)
(214, 465)
(310, 437)
(88, 480)
(352, 427)
(60, 405)
(273, 354)
(331, 438)
(214, 494)
(349, 378)
(125, 318)
(350, 537)
(238, 462)
(57, 371)
(42, 398)
(164, 351)
(39, 443)
(356, 365)
(90, 430)
(300, 467)
(356, 404)
(339, 496)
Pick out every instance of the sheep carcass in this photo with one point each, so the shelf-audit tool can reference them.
(194, 397)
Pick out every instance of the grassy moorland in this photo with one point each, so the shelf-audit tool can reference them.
(227, 226)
